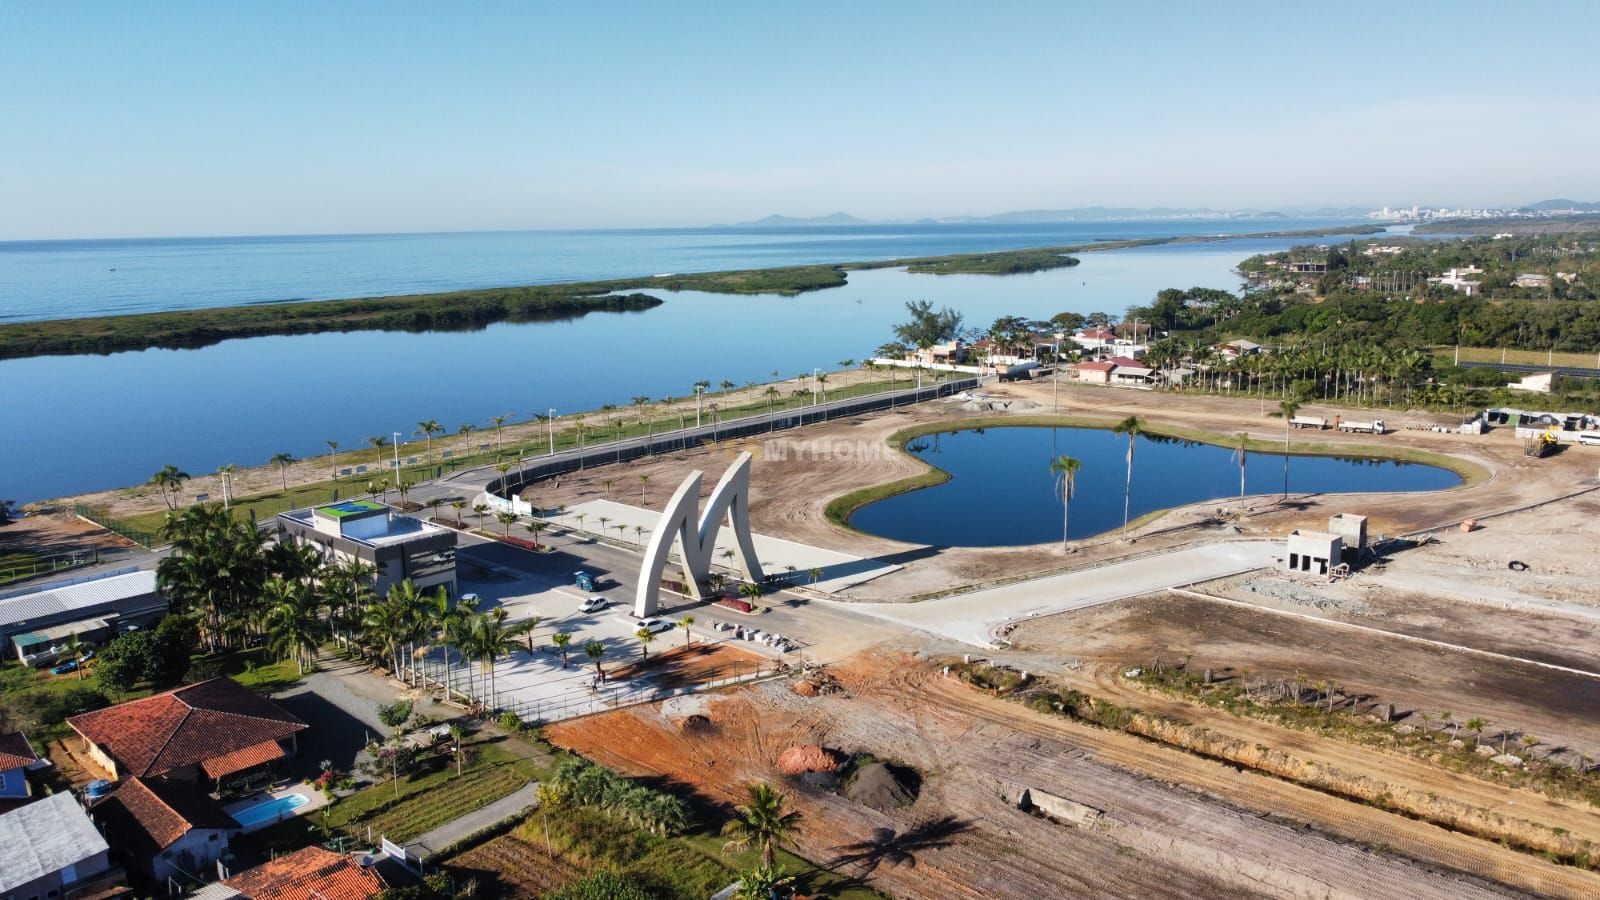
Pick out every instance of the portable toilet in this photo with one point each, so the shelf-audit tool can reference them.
(584, 580)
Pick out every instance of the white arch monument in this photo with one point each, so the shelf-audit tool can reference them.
(695, 535)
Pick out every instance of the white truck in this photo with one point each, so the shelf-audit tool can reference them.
(1316, 422)
(1373, 427)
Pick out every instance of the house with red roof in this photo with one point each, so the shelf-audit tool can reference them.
(1093, 372)
(17, 759)
(204, 732)
(166, 829)
(309, 874)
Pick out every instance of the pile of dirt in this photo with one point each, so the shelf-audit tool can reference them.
(816, 683)
(882, 787)
(808, 759)
(695, 722)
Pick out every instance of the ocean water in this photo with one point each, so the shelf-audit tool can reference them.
(62, 279)
(79, 423)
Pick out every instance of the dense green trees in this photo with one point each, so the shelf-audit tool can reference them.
(158, 657)
(928, 326)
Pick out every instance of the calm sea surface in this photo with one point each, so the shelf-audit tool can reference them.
(1001, 491)
(89, 422)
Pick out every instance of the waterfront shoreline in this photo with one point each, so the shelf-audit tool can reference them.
(467, 310)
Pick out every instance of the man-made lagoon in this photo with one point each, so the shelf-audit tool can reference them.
(1001, 491)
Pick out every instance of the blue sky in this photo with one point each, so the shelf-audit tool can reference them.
(228, 118)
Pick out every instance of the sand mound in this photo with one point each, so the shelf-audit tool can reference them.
(806, 689)
(876, 785)
(808, 758)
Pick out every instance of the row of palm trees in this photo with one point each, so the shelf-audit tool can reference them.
(1359, 373)
(1064, 469)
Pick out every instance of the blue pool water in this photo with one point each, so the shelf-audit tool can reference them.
(270, 811)
(1001, 492)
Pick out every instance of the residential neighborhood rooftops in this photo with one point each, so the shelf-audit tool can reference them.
(309, 874)
(148, 816)
(45, 837)
(1095, 366)
(16, 751)
(186, 726)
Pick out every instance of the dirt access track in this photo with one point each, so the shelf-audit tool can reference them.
(794, 478)
(1171, 824)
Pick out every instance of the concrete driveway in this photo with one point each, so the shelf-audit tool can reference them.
(973, 617)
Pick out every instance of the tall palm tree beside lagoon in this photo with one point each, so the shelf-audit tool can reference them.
(1132, 427)
(1065, 470)
(1287, 409)
(170, 480)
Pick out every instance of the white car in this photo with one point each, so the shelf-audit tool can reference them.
(594, 604)
(1590, 438)
(655, 626)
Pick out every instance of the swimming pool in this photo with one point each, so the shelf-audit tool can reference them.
(273, 810)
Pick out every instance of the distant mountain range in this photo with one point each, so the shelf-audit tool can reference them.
(1549, 205)
(1046, 216)
(1115, 213)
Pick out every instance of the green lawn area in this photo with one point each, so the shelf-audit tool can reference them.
(624, 424)
(434, 794)
(688, 866)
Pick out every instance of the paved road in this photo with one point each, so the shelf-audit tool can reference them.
(973, 617)
(457, 830)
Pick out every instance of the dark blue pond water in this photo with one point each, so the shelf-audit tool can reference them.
(1001, 492)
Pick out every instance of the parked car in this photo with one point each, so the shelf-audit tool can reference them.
(469, 598)
(655, 626)
(71, 665)
(594, 604)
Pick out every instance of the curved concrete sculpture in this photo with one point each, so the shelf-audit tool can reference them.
(695, 534)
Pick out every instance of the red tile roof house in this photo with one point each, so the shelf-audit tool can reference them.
(309, 874)
(166, 829)
(17, 758)
(203, 732)
(1094, 372)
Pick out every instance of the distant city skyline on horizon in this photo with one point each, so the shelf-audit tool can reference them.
(194, 120)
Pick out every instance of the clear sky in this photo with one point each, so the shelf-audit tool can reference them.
(240, 118)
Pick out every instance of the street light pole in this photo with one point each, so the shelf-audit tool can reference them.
(396, 458)
(551, 421)
(699, 392)
(814, 374)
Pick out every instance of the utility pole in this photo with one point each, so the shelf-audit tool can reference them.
(550, 420)
(396, 457)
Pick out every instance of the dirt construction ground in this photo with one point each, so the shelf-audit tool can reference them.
(1171, 824)
(790, 494)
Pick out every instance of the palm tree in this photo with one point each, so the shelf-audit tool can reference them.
(1065, 470)
(1242, 441)
(170, 480)
(752, 591)
(684, 623)
(282, 461)
(1476, 725)
(74, 651)
(814, 573)
(378, 442)
(459, 738)
(1132, 427)
(762, 823)
(481, 509)
(333, 458)
(293, 628)
(458, 506)
(561, 639)
(594, 650)
(498, 421)
(534, 528)
(428, 428)
(506, 520)
(644, 482)
(494, 638)
(771, 393)
(1287, 409)
(645, 636)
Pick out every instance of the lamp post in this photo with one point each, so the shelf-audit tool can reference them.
(396, 457)
(699, 392)
(550, 420)
(814, 385)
